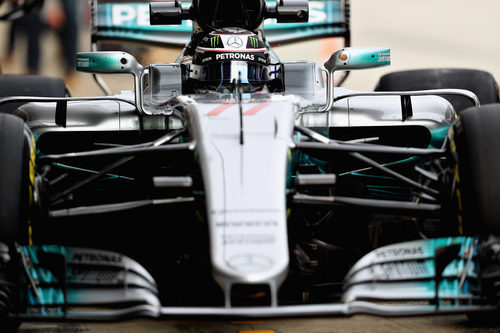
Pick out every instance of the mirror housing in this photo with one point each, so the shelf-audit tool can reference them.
(168, 13)
(113, 62)
(351, 58)
(358, 58)
(107, 63)
(174, 12)
(289, 11)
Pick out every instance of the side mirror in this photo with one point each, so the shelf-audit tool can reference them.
(168, 12)
(107, 63)
(114, 62)
(289, 11)
(350, 58)
(358, 58)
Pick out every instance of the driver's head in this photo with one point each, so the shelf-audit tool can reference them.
(225, 55)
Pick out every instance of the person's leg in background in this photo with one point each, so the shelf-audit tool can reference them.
(69, 36)
(33, 26)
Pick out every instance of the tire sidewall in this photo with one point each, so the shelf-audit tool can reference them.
(17, 156)
(475, 148)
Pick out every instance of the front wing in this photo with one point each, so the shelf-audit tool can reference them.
(438, 276)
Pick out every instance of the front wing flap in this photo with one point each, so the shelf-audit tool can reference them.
(436, 270)
(59, 281)
(439, 276)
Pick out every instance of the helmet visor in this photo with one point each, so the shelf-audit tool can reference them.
(229, 71)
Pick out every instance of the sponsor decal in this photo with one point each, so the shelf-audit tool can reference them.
(250, 262)
(384, 57)
(253, 41)
(234, 42)
(399, 252)
(255, 239)
(94, 276)
(317, 12)
(407, 269)
(234, 56)
(84, 257)
(126, 14)
(82, 62)
(214, 41)
(274, 71)
(250, 224)
(131, 15)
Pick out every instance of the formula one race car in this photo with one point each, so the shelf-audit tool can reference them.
(246, 186)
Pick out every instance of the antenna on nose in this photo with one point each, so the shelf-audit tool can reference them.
(238, 92)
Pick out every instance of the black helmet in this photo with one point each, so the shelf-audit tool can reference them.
(224, 54)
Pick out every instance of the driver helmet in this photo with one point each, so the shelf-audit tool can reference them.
(225, 55)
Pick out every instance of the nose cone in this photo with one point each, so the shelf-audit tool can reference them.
(250, 262)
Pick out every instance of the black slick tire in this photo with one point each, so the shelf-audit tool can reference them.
(479, 82)
(16, 178)
(29, 85)
(475, 144)
(475, 149)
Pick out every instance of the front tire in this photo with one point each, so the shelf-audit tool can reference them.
(475, 144)
(17, 174)
(17, 171)
(475, 148)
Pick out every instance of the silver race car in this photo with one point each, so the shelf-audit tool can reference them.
(230, 183)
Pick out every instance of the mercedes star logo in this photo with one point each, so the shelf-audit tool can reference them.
(235, 42)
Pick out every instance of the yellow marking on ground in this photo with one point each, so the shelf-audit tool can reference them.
(257, 331)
